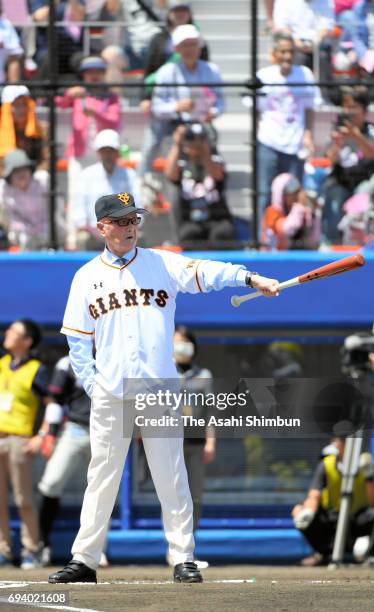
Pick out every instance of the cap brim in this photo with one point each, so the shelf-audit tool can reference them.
(179, 42)
(93, 66)
(106, 146)
(126, 211)
(7, 173)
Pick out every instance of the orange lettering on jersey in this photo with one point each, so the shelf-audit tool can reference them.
(162, 296)
(147, 295)
(130, 297)
(93, 311)
(113, 301)
(100, 303)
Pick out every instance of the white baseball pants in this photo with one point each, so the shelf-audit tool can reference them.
(110, 434)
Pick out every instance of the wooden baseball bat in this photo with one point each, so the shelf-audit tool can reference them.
(331, 269)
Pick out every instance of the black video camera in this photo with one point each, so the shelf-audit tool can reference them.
(355, 354)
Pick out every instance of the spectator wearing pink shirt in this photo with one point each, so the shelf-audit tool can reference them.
(343, 5)
(93, 110)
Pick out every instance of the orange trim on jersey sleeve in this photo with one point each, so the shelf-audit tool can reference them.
(80, 331)
(117, 267)
(197, 278)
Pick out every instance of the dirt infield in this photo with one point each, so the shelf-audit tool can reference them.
(226, 589)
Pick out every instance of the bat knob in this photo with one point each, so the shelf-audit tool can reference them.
(235, 301)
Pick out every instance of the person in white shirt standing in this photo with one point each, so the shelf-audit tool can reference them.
(284, 133)
(124, 300)
(106, 176)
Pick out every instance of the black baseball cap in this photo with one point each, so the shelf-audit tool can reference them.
(116, 205)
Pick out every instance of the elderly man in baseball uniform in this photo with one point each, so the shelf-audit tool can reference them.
(124, 301)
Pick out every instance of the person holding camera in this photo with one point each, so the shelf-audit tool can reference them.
(291, 221)
(351, 152)
(198, 171)
(317, 516)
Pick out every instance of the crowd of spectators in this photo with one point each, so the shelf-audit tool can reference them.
(158, 42)
(328, 42)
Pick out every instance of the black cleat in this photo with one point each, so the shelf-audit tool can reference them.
(74, 571)
(187, 572)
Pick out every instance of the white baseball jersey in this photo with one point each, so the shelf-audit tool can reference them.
(129, 310)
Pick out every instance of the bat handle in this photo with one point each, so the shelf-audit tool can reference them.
(236, 300)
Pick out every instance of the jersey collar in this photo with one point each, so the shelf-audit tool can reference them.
(108, 258)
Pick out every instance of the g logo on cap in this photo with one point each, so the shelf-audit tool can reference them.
(125, 198)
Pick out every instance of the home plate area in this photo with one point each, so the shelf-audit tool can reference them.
(225, 588)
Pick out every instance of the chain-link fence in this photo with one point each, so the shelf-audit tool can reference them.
(188, 212)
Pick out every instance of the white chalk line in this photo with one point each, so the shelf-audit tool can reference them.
(12, 584)
(8, 584)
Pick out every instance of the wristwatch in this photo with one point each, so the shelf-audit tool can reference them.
(248, 278)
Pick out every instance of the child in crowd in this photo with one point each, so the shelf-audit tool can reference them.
(290, 222)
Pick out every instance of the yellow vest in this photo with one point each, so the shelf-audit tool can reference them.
(18, 403)
(331, 496)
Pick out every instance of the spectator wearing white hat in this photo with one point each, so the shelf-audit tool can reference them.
(98, 179)
(161, 50)
(182, 104)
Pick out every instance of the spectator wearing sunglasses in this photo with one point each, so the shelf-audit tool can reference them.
(103, 177)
